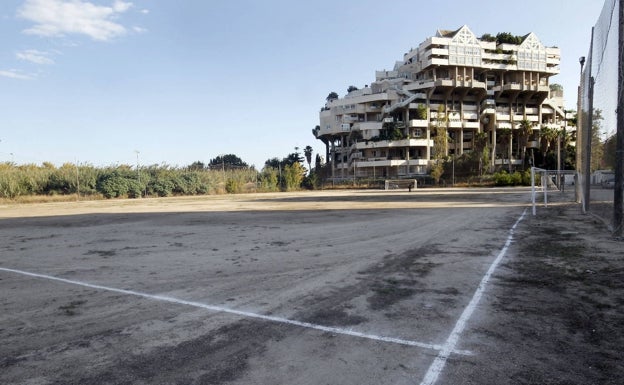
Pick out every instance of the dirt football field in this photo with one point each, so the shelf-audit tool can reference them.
(433, 286)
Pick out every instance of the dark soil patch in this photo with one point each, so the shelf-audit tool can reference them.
(102, 253)
(556, 308)
(215, 358)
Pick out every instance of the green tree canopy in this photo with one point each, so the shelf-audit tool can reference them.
(227, 162)
(196, 166)
(332, 96)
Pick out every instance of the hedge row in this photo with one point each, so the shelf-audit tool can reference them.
(124, 181)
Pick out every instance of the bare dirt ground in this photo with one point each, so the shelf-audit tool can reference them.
(401, 265)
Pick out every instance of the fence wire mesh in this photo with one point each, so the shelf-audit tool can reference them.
(596, 139)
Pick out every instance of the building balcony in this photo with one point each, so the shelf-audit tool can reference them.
(444, 83)
(421, 123)
(419, 85)
(513, 87)
(383, 162)
(366, 126)
(393, 144)
(472, 125)
(435, 61)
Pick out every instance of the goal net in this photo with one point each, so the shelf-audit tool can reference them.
(543, 181)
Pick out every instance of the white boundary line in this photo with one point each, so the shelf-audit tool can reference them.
(451, 342)
(241, 313)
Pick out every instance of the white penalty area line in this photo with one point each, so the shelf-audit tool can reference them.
(246, 314)
(451, 342)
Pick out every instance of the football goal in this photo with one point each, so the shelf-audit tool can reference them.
(543, 181)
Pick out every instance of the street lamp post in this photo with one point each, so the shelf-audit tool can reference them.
(579, 133)
(138, 170)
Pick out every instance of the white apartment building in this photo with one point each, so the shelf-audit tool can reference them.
(454, 79)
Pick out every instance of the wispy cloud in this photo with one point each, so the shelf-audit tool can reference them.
(16, 74)
(54, 18)
(139, 29)
(35, 56)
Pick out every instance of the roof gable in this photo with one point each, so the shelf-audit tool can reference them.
(465, 36)
(531, 42)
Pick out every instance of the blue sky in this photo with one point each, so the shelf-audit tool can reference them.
(94, 81)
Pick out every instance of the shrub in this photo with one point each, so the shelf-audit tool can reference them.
(113, 186)
(232, 186)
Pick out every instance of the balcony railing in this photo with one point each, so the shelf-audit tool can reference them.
(421, 123)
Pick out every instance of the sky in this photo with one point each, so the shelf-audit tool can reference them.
(104, 82)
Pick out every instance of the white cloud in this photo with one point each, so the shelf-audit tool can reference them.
(16, 74)
(60, 17)
(145, 11)
(34, 56)
(139, 29)
(121, 6)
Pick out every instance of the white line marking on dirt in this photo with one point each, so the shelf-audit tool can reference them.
(451, 342)
(308, 325)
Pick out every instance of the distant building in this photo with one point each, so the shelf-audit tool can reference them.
(455, 80)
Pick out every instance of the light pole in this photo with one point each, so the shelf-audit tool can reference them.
(138, 172)
(579, 133)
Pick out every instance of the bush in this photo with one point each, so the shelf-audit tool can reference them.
(517, 178)
(232, 186)
(113, 186)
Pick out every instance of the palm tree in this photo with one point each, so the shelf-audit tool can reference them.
(505, 138)
(307, 151)
(526, 131)
(481, 149)
(548, 136)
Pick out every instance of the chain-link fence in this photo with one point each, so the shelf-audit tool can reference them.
(597, 120)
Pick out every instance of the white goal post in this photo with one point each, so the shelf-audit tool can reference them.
(548, 179)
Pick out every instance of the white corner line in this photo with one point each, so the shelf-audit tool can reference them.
(451, 342)
(246, 314)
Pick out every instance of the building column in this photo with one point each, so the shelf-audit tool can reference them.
(493, 144)
(461, 142)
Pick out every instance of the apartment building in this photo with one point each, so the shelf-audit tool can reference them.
(472, 87)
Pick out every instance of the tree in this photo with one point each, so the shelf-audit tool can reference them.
(293, 176)
(351, 89)
(508, 38)
(269, 178)
(273, 163)
(227, 162)
(597, 146)
(196, 166)
(548, 136)
(609, 157)
(556, 87)
(440, 145)
(292, 158)
(307, 151)
(332, 96)
(421, 112)
(481, 150)
(504, 135)
(526, 131)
